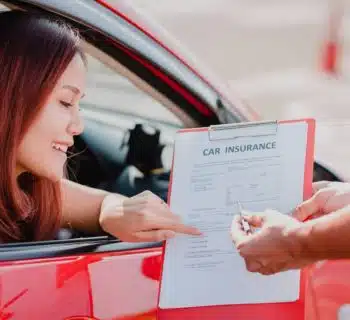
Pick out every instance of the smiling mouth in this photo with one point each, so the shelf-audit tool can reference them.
(60, 148)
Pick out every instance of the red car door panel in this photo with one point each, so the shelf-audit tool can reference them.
(111, 285)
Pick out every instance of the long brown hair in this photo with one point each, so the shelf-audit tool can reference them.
(34, 52)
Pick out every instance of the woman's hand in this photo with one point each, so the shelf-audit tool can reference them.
(273, 247)
(327, 197)
(142, 218)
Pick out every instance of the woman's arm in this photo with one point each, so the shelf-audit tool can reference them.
(143, 217)
(81, 206)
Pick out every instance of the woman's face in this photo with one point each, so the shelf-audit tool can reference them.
(43, 150)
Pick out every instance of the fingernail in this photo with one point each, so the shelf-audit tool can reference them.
(197, 232)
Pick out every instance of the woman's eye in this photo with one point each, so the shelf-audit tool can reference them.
(66, 104)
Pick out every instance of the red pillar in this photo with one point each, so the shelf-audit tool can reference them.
(332, 46)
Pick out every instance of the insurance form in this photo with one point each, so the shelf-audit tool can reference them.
(261, 168)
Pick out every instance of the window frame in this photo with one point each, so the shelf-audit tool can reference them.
(72, 247)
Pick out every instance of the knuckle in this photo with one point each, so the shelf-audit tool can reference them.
(152, 199)
(150, 194)
(146, 195)
(154, 196)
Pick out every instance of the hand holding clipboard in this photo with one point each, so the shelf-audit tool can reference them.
(327, 197)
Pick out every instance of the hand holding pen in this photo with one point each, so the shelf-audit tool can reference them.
(265, 241)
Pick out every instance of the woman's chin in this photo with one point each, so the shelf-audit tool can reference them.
(54, 174)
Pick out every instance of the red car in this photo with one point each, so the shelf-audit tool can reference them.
(140, 93)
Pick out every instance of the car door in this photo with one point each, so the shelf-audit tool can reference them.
(86, 279)
(132, 80)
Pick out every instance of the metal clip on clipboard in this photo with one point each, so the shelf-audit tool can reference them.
(246, 129)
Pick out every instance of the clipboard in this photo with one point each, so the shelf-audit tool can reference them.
(271, 311)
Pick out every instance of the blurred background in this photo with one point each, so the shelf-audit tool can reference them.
(271, 53)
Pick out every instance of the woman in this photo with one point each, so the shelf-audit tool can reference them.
(318, 230)
(42, 79)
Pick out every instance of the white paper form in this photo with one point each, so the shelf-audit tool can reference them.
(208, 178)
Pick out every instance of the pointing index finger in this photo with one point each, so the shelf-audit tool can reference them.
(174, 224)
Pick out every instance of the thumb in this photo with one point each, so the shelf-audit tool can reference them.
(259, 218)
(255, 219)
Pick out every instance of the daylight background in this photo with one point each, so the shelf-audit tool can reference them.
(270, 52)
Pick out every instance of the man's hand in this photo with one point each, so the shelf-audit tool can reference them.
(327, 197)
(272, 248)
(142, 218)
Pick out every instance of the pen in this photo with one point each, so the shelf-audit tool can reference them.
(245, 224)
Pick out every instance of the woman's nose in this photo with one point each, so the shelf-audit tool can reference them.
(76, 126)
